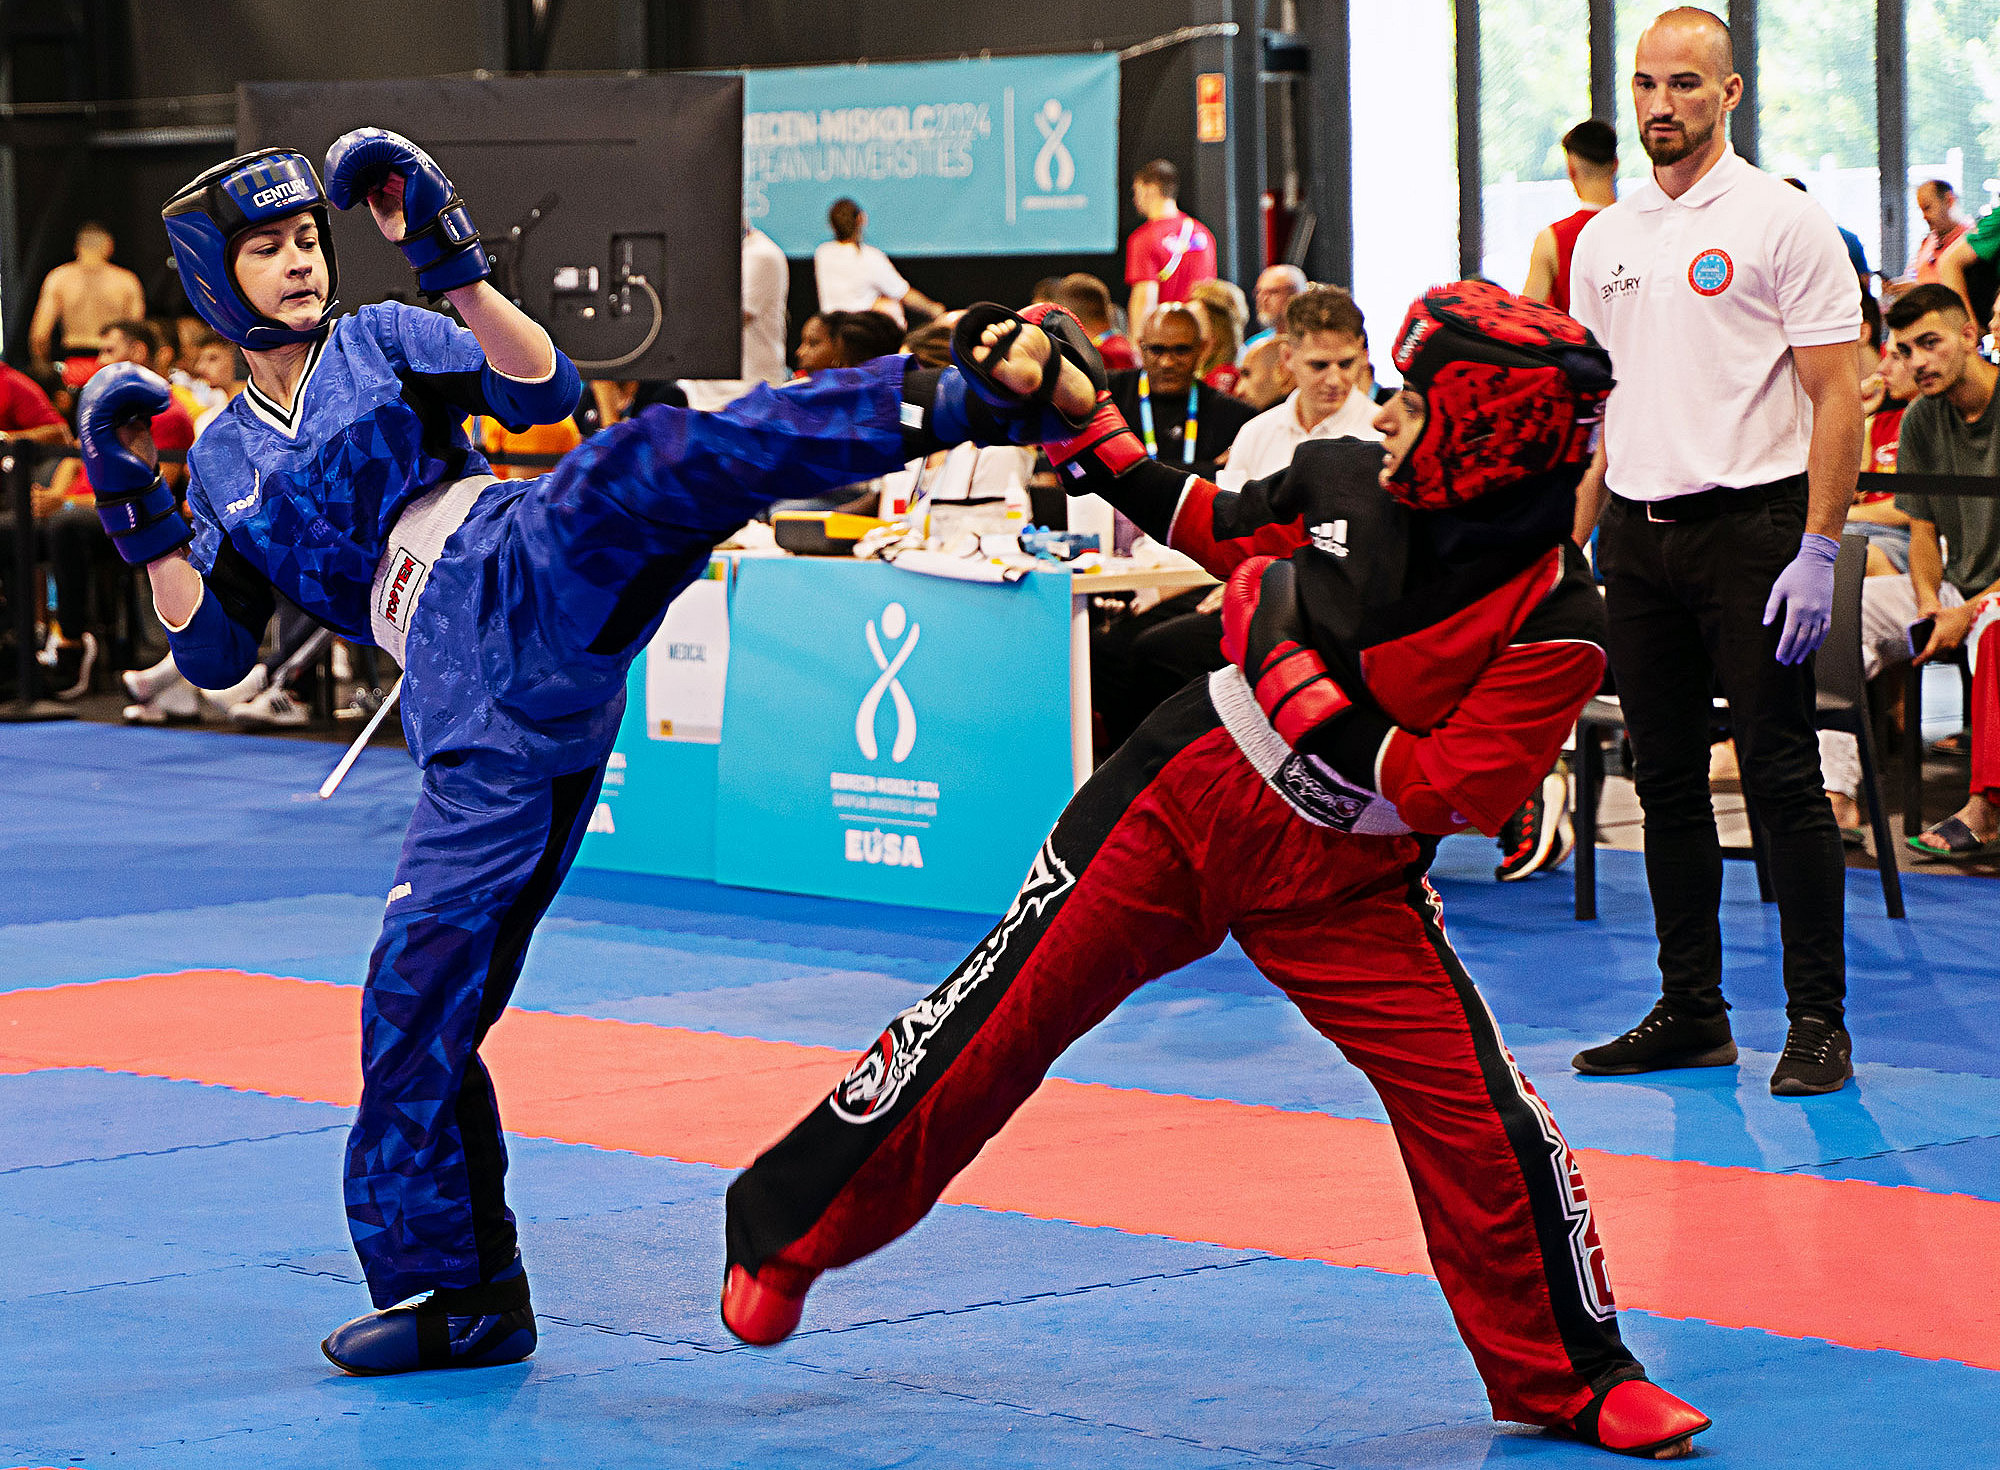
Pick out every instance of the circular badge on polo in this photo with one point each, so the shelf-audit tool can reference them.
(1711, 272)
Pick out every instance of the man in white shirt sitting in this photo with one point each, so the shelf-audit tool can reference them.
(853, 276)
(1325, 348)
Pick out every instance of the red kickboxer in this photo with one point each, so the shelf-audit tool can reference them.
(1411, 635)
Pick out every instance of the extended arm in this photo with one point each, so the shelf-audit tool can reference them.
(1953, 264)
(1541, 282)
(48, 310)
(415, 206)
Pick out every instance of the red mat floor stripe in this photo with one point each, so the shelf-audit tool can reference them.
(1859, 1264)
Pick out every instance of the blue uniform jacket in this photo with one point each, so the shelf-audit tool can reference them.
(304, 501)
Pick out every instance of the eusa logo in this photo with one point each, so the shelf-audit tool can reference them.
(1711, 272)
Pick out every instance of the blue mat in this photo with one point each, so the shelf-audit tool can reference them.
(176, 1251)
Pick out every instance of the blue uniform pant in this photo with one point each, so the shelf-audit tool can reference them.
(514, 684)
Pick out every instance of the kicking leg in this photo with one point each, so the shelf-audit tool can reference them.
(426, 1163)
(1116, 896)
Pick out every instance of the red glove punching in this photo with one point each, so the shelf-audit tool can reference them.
(1106, 449)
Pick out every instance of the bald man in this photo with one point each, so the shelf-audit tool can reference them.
(1729, 454)
(1276, 287)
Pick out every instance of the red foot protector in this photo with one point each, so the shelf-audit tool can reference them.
(764, 1309)
(1640, 1418)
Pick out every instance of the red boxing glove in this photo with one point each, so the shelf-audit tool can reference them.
(1105, 449)
(1261, 634)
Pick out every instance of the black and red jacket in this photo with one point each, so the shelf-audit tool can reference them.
(1438, 659)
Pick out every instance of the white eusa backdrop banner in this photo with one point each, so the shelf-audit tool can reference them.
(1000, 156)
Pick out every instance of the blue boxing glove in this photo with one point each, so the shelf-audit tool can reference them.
(439, 239)
(1805, 591)
(134, 504)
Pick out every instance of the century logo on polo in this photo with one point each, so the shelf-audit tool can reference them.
(895, 622)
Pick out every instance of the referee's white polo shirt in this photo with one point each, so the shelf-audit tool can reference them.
(1699, 301)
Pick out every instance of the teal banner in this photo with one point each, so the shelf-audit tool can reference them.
(1005, 156)
(890, 736)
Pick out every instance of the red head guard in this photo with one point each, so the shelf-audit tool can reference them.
(1513, 388)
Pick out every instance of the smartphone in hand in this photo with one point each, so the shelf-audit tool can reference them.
(1920, 635)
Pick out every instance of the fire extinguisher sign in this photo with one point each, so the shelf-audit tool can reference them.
(1211, 113)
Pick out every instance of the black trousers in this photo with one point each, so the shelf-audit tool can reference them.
(1142, 661)
(1686, 605)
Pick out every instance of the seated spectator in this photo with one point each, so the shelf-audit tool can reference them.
(1267, 377)
(77, 544)
(494, 437)
(1948, 430)
(1182, 422)
(1885, 394)
(1937, 202)
(1324, 347)
(26, 412)
(1088, 299)
(1276, 286)
(854, 276)
(1138, 661)
(1223, 313)
(837, 339)
(220, 371)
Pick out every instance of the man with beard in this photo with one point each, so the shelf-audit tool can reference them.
(1730, 451)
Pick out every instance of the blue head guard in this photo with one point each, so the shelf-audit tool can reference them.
(220, 205)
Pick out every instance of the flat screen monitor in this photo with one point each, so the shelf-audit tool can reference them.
(612, 206)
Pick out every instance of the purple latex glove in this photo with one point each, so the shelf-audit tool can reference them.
(1805, 591)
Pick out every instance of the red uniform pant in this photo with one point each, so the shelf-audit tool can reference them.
(1984, 715)
(1173, 844)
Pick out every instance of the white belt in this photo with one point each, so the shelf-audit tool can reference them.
(1307, 784)
(414, 545)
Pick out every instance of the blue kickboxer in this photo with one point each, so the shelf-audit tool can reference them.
(342, 477)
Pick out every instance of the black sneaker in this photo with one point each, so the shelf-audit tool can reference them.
(1538, 836)
(1818, 1058)
(1664, 1039)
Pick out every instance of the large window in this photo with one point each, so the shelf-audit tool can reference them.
(1534, 61)
(1816, 107)
(1405, 160)
(1954, 100)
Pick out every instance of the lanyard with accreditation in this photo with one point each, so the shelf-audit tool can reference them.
(1146, 420)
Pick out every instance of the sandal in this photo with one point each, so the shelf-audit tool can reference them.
(1856, 837)
(1961, 844)
(1958, 743)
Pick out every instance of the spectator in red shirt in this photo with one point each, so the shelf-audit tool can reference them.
(1590, 151)
(76, 541)
(25, 411)
(1088, 299)
(1171, 253)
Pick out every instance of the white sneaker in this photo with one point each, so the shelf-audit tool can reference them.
(86, 660)
(274, 709)
(144, 684)
(224, 701)
(179, 703)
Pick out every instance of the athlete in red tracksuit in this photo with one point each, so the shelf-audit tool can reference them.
(1402, 666)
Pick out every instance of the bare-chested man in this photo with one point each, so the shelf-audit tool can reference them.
(85, 295)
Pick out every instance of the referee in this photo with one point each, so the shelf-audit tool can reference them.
(1729, 456)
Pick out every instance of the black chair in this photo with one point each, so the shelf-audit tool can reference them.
(1842, 705)
(1604, 718)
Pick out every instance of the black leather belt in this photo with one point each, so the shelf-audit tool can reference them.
(1705, 505)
